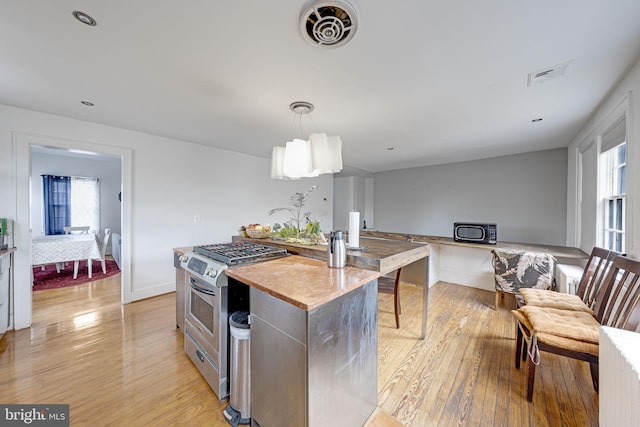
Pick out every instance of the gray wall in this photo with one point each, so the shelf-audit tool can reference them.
(524, 194)
(106, 169)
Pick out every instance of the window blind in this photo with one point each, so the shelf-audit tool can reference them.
(615, 136)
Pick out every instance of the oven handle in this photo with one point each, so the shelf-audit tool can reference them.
(195, 287)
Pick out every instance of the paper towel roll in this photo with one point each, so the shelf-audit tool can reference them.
(354, 229)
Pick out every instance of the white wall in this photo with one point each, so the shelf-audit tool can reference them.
(623, 97)
(525, 194)
(106, 169)
(171, 182)
(349, 194)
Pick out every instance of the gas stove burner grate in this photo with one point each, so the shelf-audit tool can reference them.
(240, 252)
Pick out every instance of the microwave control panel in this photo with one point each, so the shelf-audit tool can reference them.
(493, 234)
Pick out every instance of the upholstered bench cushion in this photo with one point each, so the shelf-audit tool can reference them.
(553, 299)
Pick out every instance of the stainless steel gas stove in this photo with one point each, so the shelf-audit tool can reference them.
(210, 298)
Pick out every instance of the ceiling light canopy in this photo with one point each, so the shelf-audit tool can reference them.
(328, 24)
(301, 158)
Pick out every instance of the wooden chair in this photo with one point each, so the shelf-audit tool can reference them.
(592, 279)
(514, 270)
(388, 285)
(76, 230)
(550, 329)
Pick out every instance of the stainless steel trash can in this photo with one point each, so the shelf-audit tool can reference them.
(238, 411)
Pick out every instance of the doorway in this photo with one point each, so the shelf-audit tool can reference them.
(23, 145)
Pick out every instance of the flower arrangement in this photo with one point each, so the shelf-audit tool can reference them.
(293, 230)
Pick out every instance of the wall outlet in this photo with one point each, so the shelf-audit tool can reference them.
(196, 218)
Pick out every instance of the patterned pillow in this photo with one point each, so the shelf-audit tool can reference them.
(521, 269)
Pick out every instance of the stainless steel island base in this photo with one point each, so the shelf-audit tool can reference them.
(318, 367)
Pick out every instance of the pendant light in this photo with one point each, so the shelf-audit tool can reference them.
(301, 158)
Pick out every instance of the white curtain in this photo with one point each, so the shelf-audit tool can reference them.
(85, 203)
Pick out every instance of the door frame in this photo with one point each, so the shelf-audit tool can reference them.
(22, 142)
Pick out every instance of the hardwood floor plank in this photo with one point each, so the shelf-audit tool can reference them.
(124, 365)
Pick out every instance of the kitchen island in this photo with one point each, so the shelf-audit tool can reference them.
(378, 254)
(314, 342)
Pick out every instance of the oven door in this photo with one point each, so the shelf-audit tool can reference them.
(203, 310)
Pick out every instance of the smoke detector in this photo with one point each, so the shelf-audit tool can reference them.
(328, 24)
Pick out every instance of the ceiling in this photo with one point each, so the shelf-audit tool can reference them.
(436, 81)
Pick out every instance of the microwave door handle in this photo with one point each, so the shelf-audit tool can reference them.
(198, 288)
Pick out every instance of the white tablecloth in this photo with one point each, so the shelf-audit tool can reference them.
(63, 248)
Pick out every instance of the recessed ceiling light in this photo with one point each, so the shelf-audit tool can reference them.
(536, 120)
(84, 18)
(87, 103)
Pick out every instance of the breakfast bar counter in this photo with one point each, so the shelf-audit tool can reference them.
(378, 254)
(303, 282)
(314, 342)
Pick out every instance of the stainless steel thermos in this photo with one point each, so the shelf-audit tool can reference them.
(336, 250)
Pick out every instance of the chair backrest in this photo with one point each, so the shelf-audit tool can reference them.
(80, 229)
(618, 304)
(515, 269)
(105, 242)
(594, 274)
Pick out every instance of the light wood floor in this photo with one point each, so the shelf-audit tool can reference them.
(124, 365)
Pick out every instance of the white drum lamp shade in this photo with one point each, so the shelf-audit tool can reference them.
(297, 159)
(326, 153)
(277, 163)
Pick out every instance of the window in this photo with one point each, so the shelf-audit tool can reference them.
(85, 203)
(613, 181)
(70, 201)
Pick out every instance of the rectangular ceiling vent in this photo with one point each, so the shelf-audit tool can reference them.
(549, 73)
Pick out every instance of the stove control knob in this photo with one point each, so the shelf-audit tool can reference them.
(211, 272)
(183, 258)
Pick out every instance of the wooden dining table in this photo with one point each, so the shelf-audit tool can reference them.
(63, 248)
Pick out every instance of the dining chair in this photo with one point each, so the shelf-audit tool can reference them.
(516, 269)
(76, 230)
(84, 229)
(103, 249)
(575, 334)
(593, 276)
(390, 285)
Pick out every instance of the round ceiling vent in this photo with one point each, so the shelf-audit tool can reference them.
(328, 24)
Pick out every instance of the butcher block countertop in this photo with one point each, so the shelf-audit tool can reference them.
(379, 254)
(304, 282)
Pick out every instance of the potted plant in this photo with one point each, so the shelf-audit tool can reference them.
(293, 229)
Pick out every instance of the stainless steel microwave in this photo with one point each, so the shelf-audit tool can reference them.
(475, 232)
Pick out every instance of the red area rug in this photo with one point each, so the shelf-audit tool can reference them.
(50, 279)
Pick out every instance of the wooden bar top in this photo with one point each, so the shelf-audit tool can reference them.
(557, 251)
(379, 254)
(304, 282)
